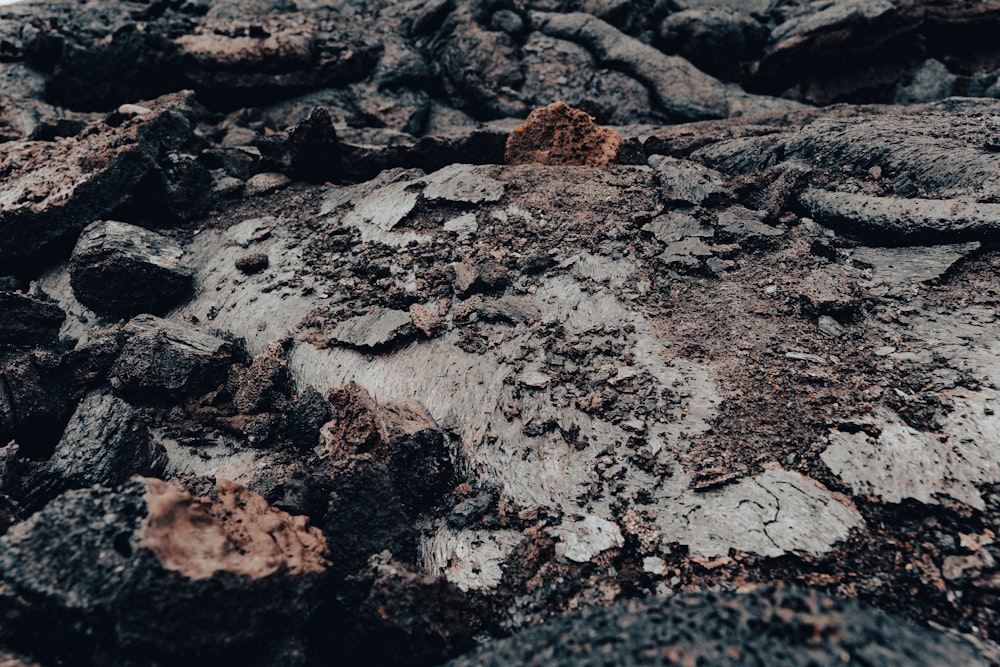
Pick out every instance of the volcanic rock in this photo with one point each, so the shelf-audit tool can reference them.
(26, 320)
(119, 269)
(560, 135)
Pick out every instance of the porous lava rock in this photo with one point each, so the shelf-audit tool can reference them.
(560, 135)
(26, 320)
(149, 562)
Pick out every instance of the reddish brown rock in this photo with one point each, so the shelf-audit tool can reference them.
(560, 135)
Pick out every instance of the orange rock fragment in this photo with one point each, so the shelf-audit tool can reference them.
(561, 135)
(240, 533)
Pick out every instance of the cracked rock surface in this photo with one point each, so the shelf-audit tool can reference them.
(377, 332)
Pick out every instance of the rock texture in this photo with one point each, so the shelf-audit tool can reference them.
(493, 312)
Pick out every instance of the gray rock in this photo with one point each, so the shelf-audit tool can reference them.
(681, 90)
(743, 224)
(931, 82)
(899, 219)
(686, 182)
(717, 41)
(725, 629)
(165, 360)
(105, 442)
(830, 327)
(373, 331)
(676, 226)
(686, 253)
(25, 320)
(898, 270)
(463, 183)
(119, 269)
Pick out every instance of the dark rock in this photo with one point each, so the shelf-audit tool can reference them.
(25, 320)
(105, 442)
(485, 276)
(399, 616)
(119, 269)
(253, 263)
(163, 360)
(152, 563)
(389, 464)
(560, 135)
(261, 386)
(725, 629)
(309, 413)
(930, 83)
(34, 401)
(717, 41)
(899, 270)
(744, 224)
(56, 188)
(91, 360)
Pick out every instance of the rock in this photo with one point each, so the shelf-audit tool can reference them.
(374, 331)
(931, 82)
(932, 221)
(105, 442)
(35, 401)
(252, 263)
(26, 320)
(262, 385)
(54, 189)
(716, 41)
(683, 182)
(262, 184)
(830, 291)
(485, 276)
(744, 224)
(560, 135)
(898, 270)
(163, 361)
(463, 183)
(152, 562)
(401, 616)
(686, 253)
(309, 413)
(582, 539)
(724, 629)
(830, 327)
(389, 464)
(119, 269)
(677, 226)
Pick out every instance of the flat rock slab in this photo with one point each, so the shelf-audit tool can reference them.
(26, 320)
(373, 331)
(725, 629)
(120, 269)
(896, 270)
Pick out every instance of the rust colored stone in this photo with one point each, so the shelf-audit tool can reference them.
(238, 533)
(561, 135)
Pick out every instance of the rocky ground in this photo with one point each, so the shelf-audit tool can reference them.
(314, 351)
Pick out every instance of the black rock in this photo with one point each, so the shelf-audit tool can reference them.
(765, 627)
(105, 442)
(25, 320)
(163, 360)
(119, 269)
(309, 414)
(34, 401)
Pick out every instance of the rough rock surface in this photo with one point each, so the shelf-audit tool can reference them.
(747, 337)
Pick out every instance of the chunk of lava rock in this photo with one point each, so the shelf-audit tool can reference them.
(105, 442)
(120, 269)
(724, 629)
(152, 567)
(25, 320)
(164, 360)
(560, 135)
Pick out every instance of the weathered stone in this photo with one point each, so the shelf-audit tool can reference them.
(463, 183)
(119, 269)
(105, 442)
(374, 331)
(152, 551)
(164, 360)
(898, 270)
(724, 628)
(688, 182)
(26, 320)
(560, 135)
